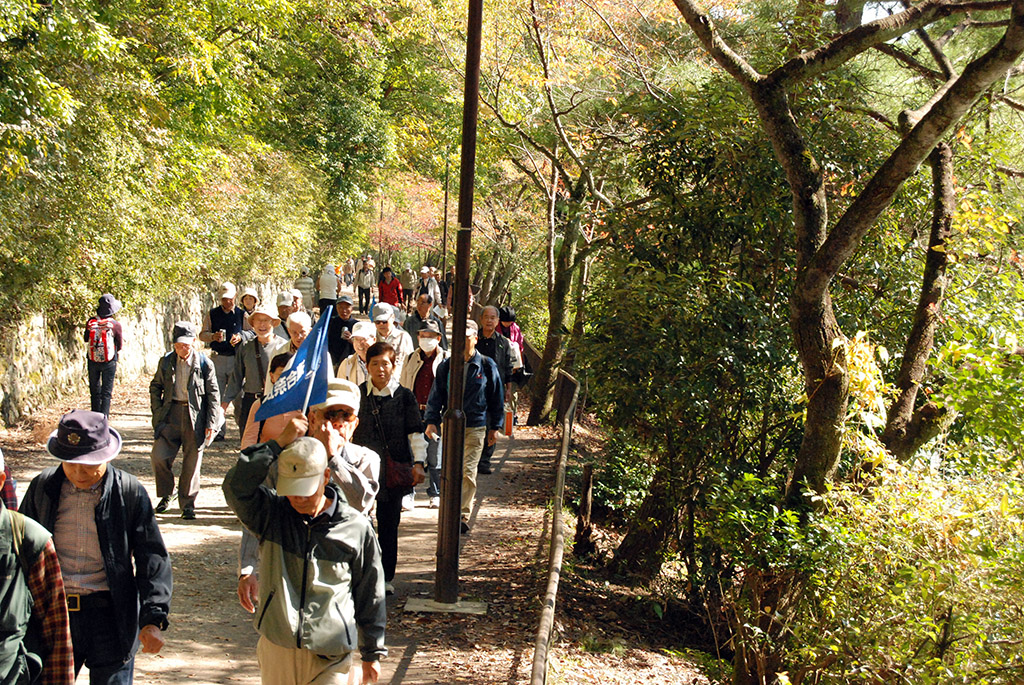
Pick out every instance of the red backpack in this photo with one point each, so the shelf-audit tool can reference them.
(101, 340)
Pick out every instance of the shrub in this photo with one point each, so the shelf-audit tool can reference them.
(927, 585)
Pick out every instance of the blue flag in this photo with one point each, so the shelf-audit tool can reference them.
(304, 380)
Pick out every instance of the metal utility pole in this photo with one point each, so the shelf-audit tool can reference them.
(446, 579)
(444, 238)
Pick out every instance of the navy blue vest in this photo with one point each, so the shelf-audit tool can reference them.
(231, 323)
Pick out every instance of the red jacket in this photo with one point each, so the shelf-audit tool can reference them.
(391, 292)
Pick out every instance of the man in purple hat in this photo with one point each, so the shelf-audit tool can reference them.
(117, 574)
(185, 399)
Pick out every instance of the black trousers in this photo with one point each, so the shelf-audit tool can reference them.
(101, 385)
(389, 515)
(364, 300)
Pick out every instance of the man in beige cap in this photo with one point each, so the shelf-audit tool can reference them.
(309, 631)
(253, 361)
(354, 469)
(353, 367)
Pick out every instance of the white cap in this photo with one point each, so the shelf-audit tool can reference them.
(284, 299)
(227, 289)
(364, 329)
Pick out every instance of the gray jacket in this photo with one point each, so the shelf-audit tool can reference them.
(203, 394)
(321, 581)
(246, 375)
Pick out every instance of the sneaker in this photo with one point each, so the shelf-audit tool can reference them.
(409, 502)
(162, 505)
(389, 588)
(485, 469)
(435, 502)
(188, 513)
(464, 526)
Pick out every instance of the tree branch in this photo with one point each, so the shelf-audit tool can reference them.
(909, 60)
(852, 43)
(709, 37)
(904, 160)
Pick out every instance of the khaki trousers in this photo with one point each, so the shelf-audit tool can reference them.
(290, 666)
(472, 448)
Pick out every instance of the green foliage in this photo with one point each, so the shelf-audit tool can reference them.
(924, 585)
(622, 475)
(146, 146)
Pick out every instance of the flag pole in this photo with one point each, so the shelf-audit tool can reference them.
(319, 343)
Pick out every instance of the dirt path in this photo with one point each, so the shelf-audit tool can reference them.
(211, 639)
(503, 562)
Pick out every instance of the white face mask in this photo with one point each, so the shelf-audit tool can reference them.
(428, 345)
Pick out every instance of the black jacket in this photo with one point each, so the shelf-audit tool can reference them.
(399, 415)
(125, 535)
(498, 348)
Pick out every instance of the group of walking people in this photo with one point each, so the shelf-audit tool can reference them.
(307, 486)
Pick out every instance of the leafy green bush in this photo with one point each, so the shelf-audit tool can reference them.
(622, 475)
(925, 587)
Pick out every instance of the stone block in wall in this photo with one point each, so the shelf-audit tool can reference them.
(43, 367)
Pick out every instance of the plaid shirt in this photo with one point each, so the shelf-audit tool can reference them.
(10, 492)
(48, 600)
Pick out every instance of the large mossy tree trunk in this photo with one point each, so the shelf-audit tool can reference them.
(560, 279)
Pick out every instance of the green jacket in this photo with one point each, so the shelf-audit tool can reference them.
(320, 579)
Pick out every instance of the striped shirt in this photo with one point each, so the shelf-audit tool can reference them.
(77, 541)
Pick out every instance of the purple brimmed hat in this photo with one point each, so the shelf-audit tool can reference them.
(84, 437)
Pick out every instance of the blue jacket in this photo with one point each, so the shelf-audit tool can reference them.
(128, 532)
(483, 398)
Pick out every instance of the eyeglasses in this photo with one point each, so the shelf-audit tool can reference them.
(335, 415)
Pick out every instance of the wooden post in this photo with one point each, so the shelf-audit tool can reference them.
(584, 542)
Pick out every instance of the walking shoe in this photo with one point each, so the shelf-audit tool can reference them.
(389, 588)
(409, 502)
(162, 505)
(485, 469)
(464, 526)
(435, 502)
(188, 513)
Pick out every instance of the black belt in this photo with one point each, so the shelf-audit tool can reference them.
(183, 402)
(93, 600)
(256, 395)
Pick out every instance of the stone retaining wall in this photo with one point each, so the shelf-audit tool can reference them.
(40, 366)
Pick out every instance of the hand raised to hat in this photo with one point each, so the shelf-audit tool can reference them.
(296, 428)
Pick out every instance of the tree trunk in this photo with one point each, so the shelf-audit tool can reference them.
(569, 362)
(641, 550)
(558, 296)
(906, 430)
(485, 287)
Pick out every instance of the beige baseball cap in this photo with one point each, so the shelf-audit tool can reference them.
(340, 393)
(300, 468)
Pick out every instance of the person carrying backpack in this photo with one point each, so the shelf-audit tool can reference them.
(36, 647)
(103, 343)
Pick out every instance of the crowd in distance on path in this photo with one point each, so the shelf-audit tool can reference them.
(320, 493)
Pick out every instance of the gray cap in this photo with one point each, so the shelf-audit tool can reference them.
(345, 298)
(184, 332)
(471, 327)
(382, 311)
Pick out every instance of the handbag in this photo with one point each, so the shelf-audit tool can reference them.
(397, 474)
